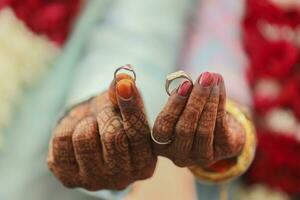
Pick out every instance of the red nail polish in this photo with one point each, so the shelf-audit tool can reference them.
(184, 88)
(205, 79)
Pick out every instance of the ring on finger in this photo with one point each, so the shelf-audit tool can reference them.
(127, 67)
(176, 75)
(158, 142)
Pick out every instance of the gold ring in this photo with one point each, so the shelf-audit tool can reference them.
(176, 75)
(127, 67)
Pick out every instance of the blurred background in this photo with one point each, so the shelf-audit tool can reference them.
(54, 53)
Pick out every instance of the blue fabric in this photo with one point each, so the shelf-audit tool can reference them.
(146, 34)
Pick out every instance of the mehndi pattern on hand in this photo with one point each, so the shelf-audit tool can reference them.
(104, 143)
(195, 121)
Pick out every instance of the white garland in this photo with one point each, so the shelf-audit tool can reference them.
(24, 58)
(259, 192)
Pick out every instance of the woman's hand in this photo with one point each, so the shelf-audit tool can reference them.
(196, 124)
(104, 143)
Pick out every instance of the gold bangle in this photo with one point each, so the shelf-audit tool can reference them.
(243, 160)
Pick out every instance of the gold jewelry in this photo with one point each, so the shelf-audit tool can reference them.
(243, 160)
(176, 75)
(127, 67)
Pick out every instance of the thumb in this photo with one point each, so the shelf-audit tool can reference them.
(126, 98)
(122, 83)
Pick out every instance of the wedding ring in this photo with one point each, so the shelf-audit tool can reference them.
(158, 142)
(176, 75)
(127, 67)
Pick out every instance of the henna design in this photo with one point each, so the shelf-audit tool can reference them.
(203, 133)
(229, 134)
(103, 144)
(166, 121)
(138, 133)
(61, 157)
(203, 145)
(230, 143)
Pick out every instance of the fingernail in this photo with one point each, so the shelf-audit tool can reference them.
(184, 88)
(205, 79)
(124, 88)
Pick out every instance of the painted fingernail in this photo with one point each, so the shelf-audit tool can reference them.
(184, 88)
(124, 88)
(205, 79)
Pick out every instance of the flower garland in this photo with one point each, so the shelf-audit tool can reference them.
(259, 192)
(52, 18)
(24, 58)
(31, 34)
(271, 36)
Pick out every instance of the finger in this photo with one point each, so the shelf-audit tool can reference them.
(61, 157)
(136, 127)
(222, 97)
(112, 88)
(88, 152)
(203, 141)
(187, 123)
(114, 140)
(165, 123)
(228, 134)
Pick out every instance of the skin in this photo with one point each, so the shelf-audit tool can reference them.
(201, 132)
(105, 143)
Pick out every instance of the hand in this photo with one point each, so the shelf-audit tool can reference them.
(195, 121)
(104, 143)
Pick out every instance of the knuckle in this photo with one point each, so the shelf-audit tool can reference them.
(184, 129)
(162, 125)
(85, 129)
(63, 129)
(62, 147)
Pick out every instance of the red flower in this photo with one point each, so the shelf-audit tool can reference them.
(268, 11)
(52, 18)
(290, 96)
(274, 59)
(277, 163)
(263, 104)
